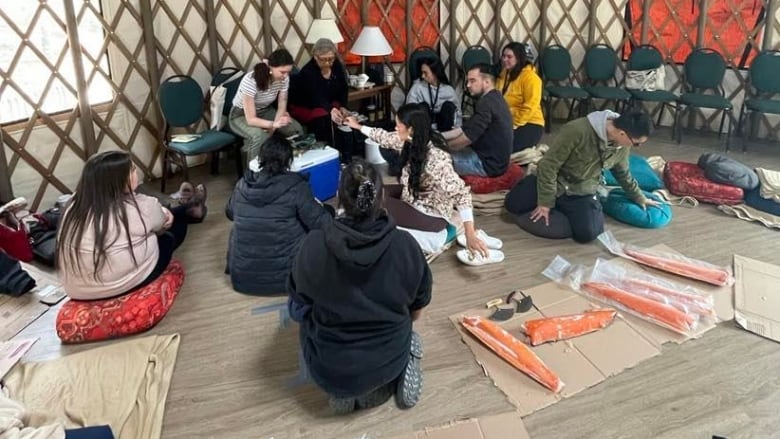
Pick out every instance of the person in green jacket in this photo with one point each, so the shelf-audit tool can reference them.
(560, 200)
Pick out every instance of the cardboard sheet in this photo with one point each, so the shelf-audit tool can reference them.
(584, 361)
(504, 426)
(757, 297)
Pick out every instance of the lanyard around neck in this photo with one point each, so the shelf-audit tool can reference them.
(432, 97)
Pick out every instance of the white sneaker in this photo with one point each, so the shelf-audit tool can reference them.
(476, 259)
(490, 242)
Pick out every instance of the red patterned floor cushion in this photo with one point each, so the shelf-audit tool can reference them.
(92, 320)
(687, 179)
(488, 185)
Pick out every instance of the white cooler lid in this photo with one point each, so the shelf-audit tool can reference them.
(308, 159)
(314, 157)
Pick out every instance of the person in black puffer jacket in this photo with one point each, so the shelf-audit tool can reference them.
(272, 210)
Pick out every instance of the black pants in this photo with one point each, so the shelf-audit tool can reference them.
(345, 142)
(445, 118)
(583, 212)
(526, 136)
(168, 242)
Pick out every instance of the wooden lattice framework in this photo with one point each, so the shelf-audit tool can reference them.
(149, 40)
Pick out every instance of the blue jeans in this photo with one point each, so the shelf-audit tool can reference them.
(467, 162)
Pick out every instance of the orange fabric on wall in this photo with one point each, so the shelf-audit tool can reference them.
(665, 32)
(425, 30)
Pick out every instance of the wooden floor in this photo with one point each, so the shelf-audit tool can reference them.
(231, 374)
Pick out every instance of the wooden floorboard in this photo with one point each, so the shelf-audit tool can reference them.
(231, 376)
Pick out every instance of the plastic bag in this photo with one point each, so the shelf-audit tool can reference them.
(669, 262)
(679, 308)
(557, 328)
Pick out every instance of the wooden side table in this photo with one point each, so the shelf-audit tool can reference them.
(380, 98)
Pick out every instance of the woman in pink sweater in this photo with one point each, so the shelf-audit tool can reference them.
(111, 240)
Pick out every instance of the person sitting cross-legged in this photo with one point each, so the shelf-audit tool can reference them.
(356, 287)
(483, 144)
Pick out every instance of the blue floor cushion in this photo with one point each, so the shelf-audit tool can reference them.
(753, 199)
(647, 178)
(623, 209)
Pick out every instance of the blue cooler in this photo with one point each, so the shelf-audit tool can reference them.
(322, 168)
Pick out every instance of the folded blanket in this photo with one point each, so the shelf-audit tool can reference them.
(529, 155)
(123, 385)
(770, 183)
(489, 204)
(12, 425)
(747, 213)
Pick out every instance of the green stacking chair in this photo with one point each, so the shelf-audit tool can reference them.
(600, 65)
(181, 104)
(763, 85)
(647, 57)
(414, 59)
(703, 73)
(472, 56)
(555, 64)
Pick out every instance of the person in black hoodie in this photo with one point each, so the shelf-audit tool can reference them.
(272, 209)
(356, 287)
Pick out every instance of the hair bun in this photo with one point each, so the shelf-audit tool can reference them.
(366, 195)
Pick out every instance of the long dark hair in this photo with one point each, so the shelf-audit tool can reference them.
(415, 152)
(437, 68)
(276, 155)
(360, 191)
(100, 200)
(518, 49)
(277, 58)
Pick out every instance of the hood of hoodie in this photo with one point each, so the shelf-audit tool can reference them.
(261, 189)
(360, 244)
(598, 120)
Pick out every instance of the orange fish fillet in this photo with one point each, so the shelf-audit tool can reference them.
(568, 326)
(666, 315)
(513, 351)
(711, 275)
(699, 304)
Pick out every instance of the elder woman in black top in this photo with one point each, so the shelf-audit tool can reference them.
(318, 98)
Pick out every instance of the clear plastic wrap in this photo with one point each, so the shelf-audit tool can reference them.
(669, 262)
(680, 308)
(564, 327)
(512, 350)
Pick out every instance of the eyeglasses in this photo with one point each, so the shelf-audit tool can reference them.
(326, 59)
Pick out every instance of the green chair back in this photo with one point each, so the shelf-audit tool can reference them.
(764, 72)
(414, 61)
(475, 55)
(181, 101)
(231, 87)
(600, 63)
(645, 57)
(556, 63)
(704, 69)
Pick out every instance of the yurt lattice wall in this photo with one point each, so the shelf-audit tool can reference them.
(76, 77)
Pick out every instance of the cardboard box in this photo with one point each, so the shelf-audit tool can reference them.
(583, 361)
(757, 297)
(503, 426)
(322, 168)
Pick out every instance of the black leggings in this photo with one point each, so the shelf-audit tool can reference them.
(406, 215)
(583, 212)
(345, 142)
(168, 242)
(526, 136)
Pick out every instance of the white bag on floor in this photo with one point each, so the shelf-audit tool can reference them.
(647, 80)
(430, 242)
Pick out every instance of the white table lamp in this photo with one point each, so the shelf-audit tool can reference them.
(324, 28)
(371, 42)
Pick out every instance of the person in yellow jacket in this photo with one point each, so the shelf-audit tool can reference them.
(522, 90)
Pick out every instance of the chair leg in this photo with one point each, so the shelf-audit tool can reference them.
(549, 105)
(722, 119)
(238, 161)
(678, 115)
(740, 127)
(185, 170)
(214, 163)
(571, 109)
(660, 114)
(165, 170)
(731, 126)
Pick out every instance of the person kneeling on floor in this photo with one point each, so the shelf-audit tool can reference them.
(561, 197)
(272, 210)
(111, 240)
(356, 287)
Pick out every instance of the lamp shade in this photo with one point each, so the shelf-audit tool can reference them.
(371, 42)
(324, 28)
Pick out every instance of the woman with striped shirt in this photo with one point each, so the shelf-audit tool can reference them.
(253, 117)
